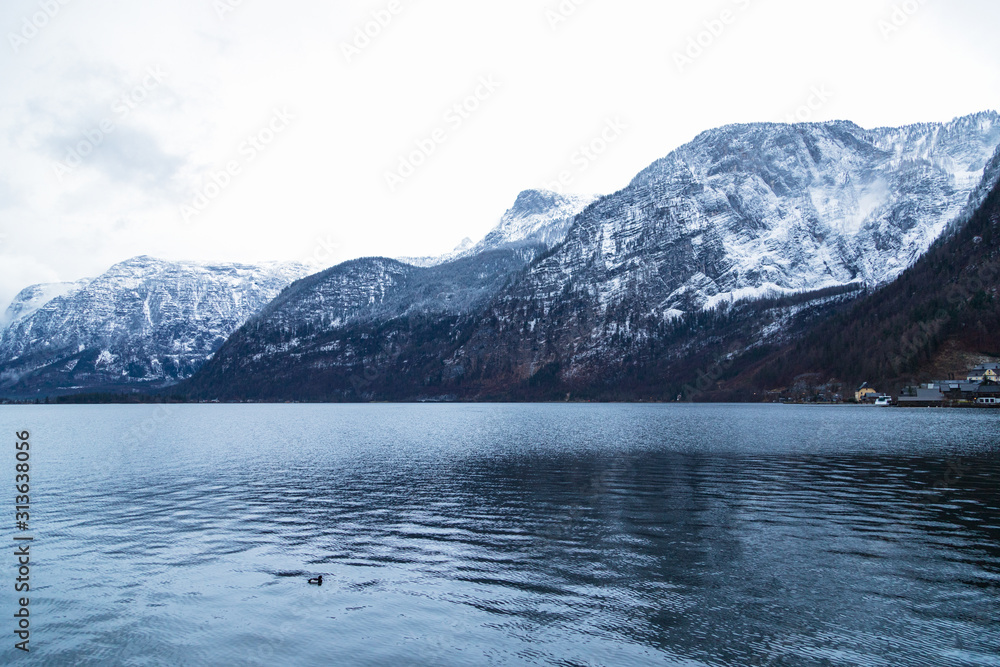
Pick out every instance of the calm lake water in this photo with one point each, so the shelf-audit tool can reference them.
(505, 534)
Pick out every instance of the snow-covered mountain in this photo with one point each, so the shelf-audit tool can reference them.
(741, 212)
(149, 323)
(749, 209)
(30, 299)
(538, 217)
(381, 288)
(144, 321)
(563, 292)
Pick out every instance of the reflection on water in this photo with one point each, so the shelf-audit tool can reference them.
(564, 535)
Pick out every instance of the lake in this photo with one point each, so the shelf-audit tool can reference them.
(569, 534)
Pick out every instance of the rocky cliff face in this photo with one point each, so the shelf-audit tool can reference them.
(145, 322)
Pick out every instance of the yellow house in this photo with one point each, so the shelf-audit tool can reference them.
(985, 373)
(865, 392)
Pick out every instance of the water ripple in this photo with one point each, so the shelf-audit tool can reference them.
(557, 535)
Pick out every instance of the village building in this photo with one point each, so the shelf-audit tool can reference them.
(985, 373)
(865, 394)
(982, 389)
(988, 394)
(928, 396)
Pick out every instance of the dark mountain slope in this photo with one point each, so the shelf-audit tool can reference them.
(326, 331)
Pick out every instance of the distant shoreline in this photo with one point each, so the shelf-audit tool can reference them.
(71, 403)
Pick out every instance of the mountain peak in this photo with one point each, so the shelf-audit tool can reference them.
(140, 260)
(536, 200)
(540, 216)
(537, 216)
(539, 202)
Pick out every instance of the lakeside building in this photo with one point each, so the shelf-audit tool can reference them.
(985, 373)
(865, 394)
(928, 396)
(981, 389)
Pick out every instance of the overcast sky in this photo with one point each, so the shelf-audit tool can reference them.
(304, 137)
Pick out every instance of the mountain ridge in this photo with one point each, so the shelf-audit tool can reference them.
(144, 321)
(745, 235)
(744, 212)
